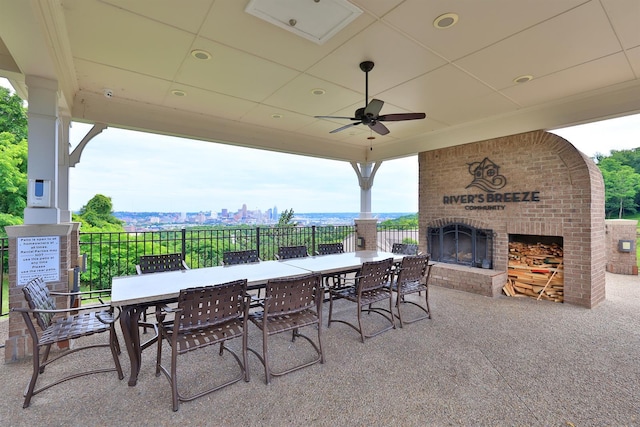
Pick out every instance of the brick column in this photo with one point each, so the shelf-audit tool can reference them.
(367, 229)
(19, 344)
(621, 258)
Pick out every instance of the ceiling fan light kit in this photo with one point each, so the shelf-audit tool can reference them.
(370, 114)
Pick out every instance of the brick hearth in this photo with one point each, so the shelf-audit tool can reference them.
(534, 183)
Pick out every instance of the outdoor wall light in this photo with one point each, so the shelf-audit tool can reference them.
(625, 245)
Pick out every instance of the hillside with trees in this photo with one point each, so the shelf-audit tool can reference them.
(13, 159)
(621, 174)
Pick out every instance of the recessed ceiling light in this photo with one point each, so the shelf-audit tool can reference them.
(447, 20)
(523, 79)
(276, 116)
(201, 54)
(318, 91)
(177, 92)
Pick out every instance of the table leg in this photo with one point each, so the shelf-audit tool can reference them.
(129, 319)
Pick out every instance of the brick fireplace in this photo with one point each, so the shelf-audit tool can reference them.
(535, 184)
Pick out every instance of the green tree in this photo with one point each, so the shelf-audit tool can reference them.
(13, 115)
(286, 219)
(406, 222)
(13, 180)
(97, 215)
(621, 184)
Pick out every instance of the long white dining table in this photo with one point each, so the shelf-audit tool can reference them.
(133, 294)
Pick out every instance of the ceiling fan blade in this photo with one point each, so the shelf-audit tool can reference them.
(345, 127)
(373, 107)
(401, 116)
(335, 117)
(379, 128)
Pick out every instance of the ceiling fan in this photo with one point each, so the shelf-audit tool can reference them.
(369, 114)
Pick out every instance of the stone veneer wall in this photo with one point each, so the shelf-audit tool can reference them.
(571, 205)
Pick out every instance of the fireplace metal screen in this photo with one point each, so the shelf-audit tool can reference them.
(461, 244)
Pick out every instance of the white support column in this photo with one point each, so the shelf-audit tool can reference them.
(63, 169)
(43, 146)
(366, 173)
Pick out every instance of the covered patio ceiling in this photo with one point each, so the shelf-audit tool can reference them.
(256, 89)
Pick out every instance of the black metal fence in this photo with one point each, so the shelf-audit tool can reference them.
(116, 254)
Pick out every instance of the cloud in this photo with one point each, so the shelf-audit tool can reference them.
(147, 172)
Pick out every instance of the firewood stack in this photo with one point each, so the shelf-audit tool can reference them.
(535, 270)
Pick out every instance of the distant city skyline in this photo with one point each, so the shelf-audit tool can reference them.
(143, 172)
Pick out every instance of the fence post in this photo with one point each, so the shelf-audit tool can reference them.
(313, 240)
(258, 242)
(184, 243)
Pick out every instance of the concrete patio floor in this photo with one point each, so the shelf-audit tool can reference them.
(478, 362)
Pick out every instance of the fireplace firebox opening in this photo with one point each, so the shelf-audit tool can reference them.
(461, 244)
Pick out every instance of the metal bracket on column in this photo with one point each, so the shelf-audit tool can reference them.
(74, 157)
(366, 182)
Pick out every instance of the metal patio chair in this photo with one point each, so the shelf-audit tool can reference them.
(412, 277)
(330, 248)
(204, 316)
(289, 305)
(372, 285)
(289, 252)
(332, 280)
(76, 323)
(404, 249)
(240, 257)
(158, 263)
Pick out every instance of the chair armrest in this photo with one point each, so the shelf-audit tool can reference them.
(163, 309)
(184, 264)
(79, 293)
(99, 316)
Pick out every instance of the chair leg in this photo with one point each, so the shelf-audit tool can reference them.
(34, 377)
(360, 323)
(330, 309)
(393, 319)
(174, 379)
(398, 303)
(265, 354)
(426, 300)
(159, 353)
(245, 353)
(320, 342)
(45, 357)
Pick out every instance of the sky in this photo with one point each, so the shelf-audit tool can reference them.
(143, 172)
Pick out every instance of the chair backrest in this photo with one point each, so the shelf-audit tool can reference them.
(374, 274)
(158, 263)
(405, 249)
(211, 305)
(38, 297)
(291, 295)
(240, 257)
(330, 248)
(413, 268)
(288, 252)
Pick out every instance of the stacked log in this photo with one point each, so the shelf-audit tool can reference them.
(535, 270)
